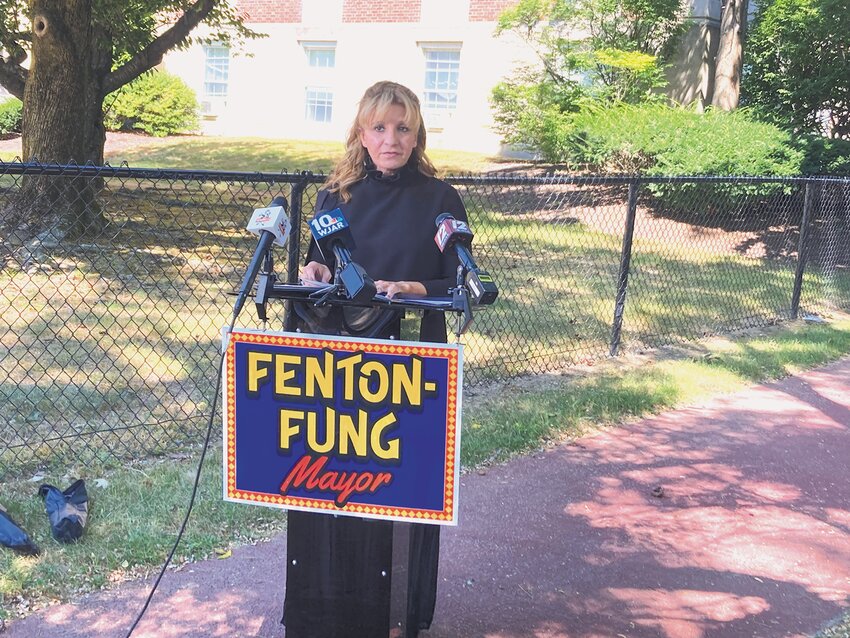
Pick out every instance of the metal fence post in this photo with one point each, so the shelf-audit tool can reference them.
(625, 264)
(296, 196)
(802, 249)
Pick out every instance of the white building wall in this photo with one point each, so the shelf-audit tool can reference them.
(266, 92)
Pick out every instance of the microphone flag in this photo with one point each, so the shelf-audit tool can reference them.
(272, 226)
(456, 233)
(273, 219)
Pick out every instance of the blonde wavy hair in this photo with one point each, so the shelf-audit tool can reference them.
(373, 106)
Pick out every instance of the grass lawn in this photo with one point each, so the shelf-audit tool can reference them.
(840, 628)
(274, 156)
(252, 154)
(121, 336)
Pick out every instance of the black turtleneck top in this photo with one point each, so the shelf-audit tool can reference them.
(392, 223)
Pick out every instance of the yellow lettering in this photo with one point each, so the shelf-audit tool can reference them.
(282, 374)
(330, 432)
(347, 367)
(255, 372)
(377, 369)
(390, 451)
(321, 375)
(408, 380)
(349, 433)
(290, 427)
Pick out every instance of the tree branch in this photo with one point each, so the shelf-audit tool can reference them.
(13, 76)
(152, 54)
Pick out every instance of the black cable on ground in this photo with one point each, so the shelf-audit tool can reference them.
(194, 490)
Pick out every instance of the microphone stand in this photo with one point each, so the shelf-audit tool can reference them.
(265, 284)
(351, 278)
(461, 303)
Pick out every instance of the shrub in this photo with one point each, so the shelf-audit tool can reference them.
(10, 116)
(655, 139)
(528, 111)
(797, 67)
(825, 156)
(157, 103)
(658, 140)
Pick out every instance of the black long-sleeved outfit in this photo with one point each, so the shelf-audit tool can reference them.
(337, 567)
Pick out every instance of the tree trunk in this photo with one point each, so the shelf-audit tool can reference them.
(71, 60)
(730, 55)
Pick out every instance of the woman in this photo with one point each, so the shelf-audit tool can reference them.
(385, 187)
(337, 567)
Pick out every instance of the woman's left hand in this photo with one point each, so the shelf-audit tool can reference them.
(393, 288)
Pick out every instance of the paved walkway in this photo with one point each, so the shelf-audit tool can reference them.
(730, 519)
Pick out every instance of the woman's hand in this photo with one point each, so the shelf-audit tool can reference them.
(314, 271)
(393, 288)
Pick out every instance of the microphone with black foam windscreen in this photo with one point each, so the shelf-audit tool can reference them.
(455, 233)
(272, 226)
(333, 236)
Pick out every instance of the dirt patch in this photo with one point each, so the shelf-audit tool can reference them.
(602, 207)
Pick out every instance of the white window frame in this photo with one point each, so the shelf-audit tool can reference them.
(435, 86)
(319, 94)
(319, 46)
(213, 70)
(316, 98)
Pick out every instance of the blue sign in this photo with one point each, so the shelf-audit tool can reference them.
(344, 426)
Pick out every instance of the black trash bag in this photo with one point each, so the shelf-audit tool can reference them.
(12, 536)
(67, 510)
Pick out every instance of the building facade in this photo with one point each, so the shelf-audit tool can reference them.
(304, 79)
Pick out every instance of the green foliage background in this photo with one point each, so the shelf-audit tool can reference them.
(797, 71)
(605, 51)
(656, 139)
(596, 101)
(10, 116)
(157, 103)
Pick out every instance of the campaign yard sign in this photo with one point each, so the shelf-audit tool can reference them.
(360, 427)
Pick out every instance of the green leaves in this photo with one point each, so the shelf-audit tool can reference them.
(157, 103)
(608, 51)
(655, 139)
(798, 70)
(524, 16)
(10, 115)
(132, 25)
(630, 76)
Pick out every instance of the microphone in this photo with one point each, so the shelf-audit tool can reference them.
(453, 232)
(333, 236)
(273, 219)
(272, 226)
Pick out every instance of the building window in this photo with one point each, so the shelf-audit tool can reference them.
(319, 96)
(320, 104)
(216, 69)
(442, 67)
(321, 58)
(320, 55)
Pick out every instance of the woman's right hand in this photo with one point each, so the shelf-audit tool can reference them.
(315, 271)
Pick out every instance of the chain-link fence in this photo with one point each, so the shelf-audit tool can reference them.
(117, 283)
